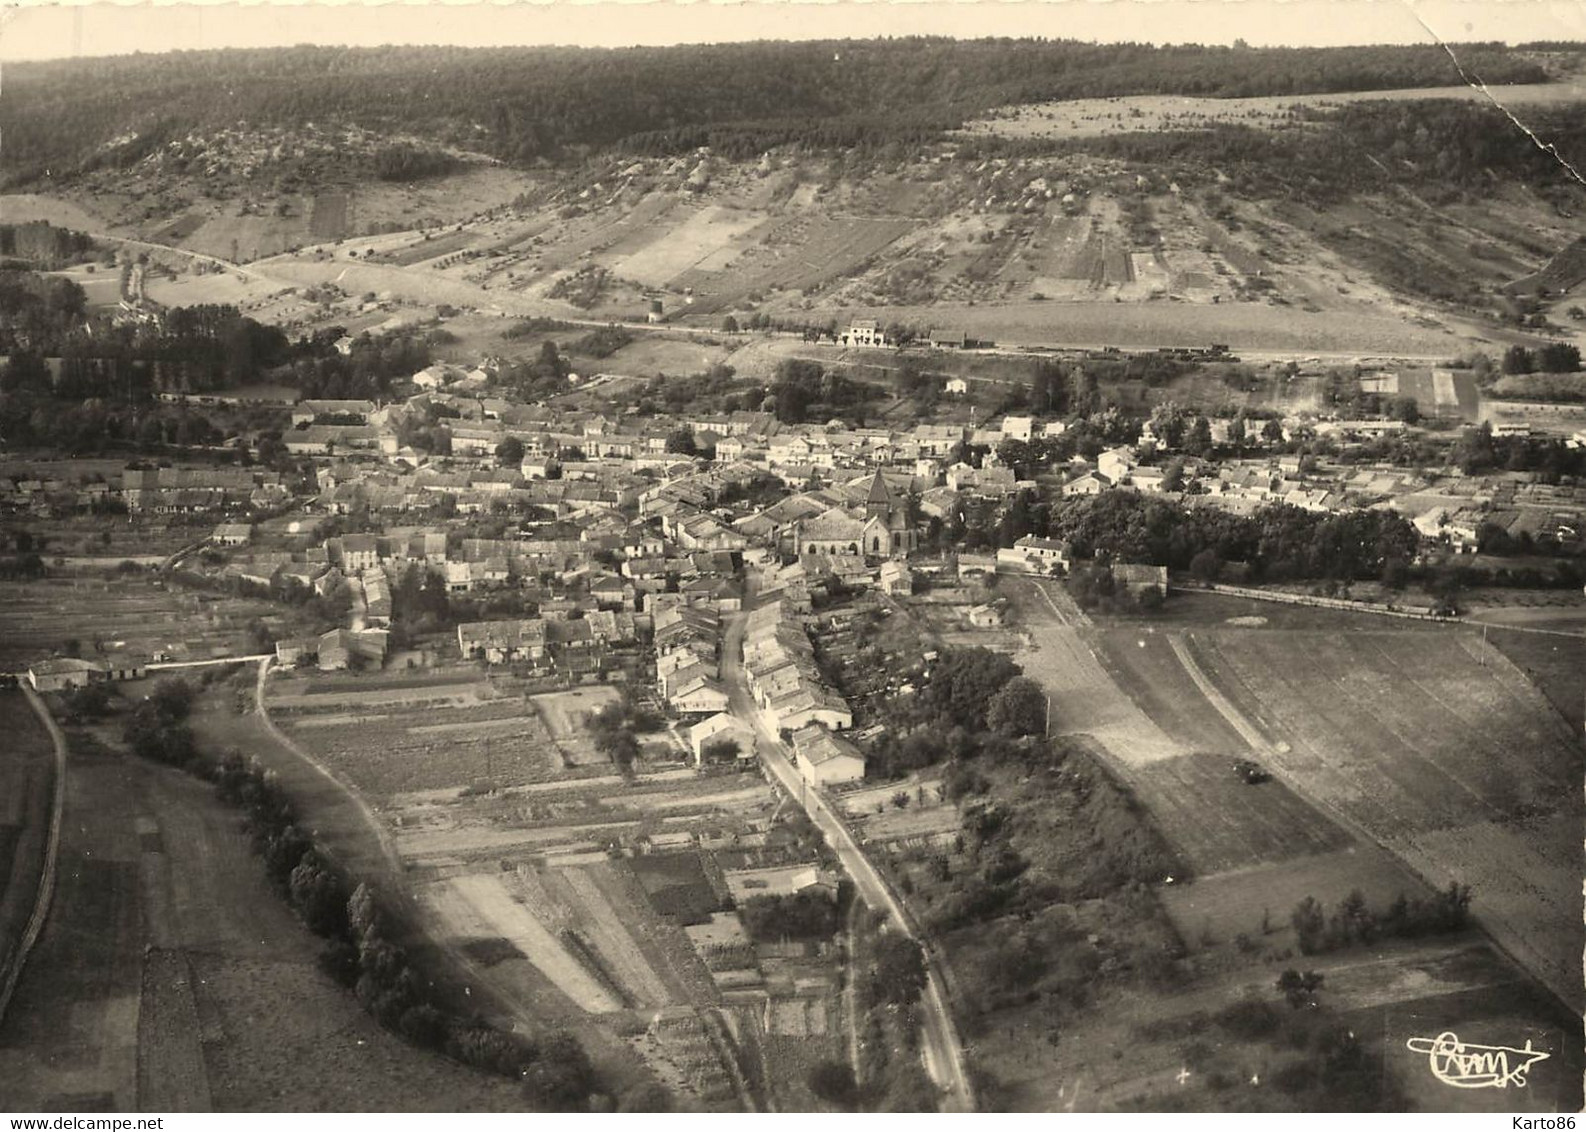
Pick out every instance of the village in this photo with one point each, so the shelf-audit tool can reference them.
(596, 671)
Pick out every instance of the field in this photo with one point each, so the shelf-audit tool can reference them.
(27, 780)
(1439, 749)
(1096, 117)
(38, 618)
(329, 220)
(1403, 758)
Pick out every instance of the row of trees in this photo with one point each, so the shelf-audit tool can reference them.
(1353, 922)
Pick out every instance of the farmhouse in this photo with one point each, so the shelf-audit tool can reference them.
(1032, 553)
(825, 759)
(232, 534)
(62, 673)
(864, 332)
(698, 696)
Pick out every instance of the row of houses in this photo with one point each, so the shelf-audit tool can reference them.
(786, 683)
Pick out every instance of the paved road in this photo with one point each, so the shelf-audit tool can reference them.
(943, 1055)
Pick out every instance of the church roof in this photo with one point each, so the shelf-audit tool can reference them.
(879, 491)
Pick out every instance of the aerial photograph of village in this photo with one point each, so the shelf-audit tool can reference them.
(918, 573)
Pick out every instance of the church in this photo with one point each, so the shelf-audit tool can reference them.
(880, 530)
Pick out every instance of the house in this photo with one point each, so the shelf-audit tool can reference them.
(824, 759)
(699, 695)
(232, 534)
(1030, 552)
(1017, 428)
(1116, 464)
(61, 673)
(1091, 483)
(335, 650)
(719, 727)
(896, 579)
(948, 340)
(359, 553)
(126, 666)
(956, 387)
(864, 332)
(290, 653)
(991, 615)
(499, 642)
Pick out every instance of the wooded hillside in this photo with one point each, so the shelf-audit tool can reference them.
(523, 104)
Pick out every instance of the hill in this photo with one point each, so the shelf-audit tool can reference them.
(525, 104)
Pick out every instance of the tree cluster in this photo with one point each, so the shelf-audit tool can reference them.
(1353, 923)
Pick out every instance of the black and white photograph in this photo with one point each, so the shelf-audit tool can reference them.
(792, 556)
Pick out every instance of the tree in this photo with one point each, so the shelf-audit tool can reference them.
(1299, 990)
(1207, 566)
(1517, 359)
(833, 1082)
(897, 971)
(1198, 442)
(719, 751)
(681, 441)
(1558, 357)
(561, 1078)
(729, 325)
(509, 453)
(1019, 708)
(1310, 924)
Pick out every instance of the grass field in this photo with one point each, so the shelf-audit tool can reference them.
(1095, 117)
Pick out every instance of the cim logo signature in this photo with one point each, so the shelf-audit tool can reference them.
(1465, 1065)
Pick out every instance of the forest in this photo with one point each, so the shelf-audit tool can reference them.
(527, 104)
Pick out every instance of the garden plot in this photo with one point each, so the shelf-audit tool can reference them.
(409, 751)
(567, 713)
(39, 618)
(481, 906)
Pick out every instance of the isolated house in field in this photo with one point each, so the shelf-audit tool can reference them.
(955, 387)
(988, 616)
(232, 534)
(825, 759)
(62, 673)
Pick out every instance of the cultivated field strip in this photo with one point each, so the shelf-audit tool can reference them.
(1370, 720)
(1218, 822)
(1528, 893)
(480, 906)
